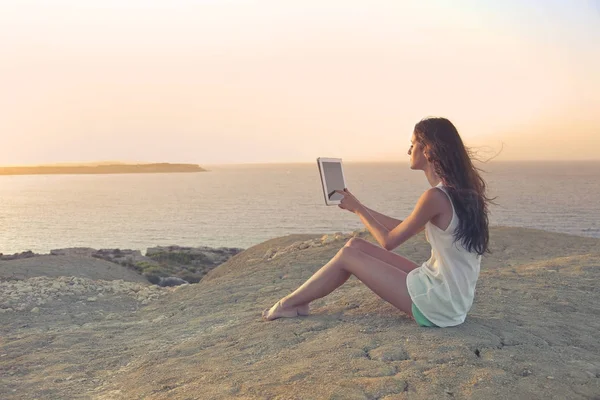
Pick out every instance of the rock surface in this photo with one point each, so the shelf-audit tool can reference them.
(531, 334)
(80, 266)
(29, 294)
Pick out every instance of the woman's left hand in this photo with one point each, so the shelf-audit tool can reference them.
(349, 202)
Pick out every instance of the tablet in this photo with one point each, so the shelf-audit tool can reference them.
(332, 178)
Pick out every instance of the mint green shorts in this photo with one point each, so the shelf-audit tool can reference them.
(420, 318)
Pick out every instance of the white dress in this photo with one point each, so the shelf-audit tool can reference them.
(444, 286)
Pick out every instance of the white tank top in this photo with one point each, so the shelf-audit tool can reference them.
(444, 286)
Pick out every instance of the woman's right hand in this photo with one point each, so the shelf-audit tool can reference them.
(349, 202)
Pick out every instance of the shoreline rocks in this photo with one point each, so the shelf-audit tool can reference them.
(17, 256)
(173, 264)
(118, 256)
(162, 265)
(201, 255)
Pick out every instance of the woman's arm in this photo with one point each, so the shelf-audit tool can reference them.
(389, 222)
(427, 207)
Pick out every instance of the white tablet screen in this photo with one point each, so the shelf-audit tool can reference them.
(333, 178)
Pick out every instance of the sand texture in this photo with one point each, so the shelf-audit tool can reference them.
(532, 332)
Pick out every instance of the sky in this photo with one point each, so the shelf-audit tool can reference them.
(216, 82)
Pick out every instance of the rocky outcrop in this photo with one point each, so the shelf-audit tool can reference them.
(199, 256)
(124, 257)
(74, 251)
(190, 264)
(162, 265)
(117, 256)
(17, 256)
(531, 333)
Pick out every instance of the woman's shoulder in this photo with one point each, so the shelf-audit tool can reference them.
(436, 195)
(438, 201)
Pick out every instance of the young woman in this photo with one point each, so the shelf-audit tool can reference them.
(454, 215)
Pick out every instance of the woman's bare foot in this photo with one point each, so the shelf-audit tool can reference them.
(279, 311)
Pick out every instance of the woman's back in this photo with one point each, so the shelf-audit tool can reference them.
(444, 286)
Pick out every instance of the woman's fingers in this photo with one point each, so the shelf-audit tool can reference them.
(345, 192)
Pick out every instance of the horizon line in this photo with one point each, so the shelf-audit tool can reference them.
(94, 163)
(354, 161)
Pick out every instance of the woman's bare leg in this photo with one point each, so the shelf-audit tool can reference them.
(386, 280)
(376, 251)
(387, 256)
(326, 276)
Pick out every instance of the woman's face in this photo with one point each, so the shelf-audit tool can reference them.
(416, 153)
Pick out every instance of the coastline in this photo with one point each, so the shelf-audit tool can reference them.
(102, 169)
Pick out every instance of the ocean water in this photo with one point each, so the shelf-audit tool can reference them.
(243, 205)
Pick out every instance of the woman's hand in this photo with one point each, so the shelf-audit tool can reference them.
(349, 202)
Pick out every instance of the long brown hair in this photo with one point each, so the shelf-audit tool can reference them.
(451, 161)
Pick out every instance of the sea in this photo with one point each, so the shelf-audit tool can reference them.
(246, 204)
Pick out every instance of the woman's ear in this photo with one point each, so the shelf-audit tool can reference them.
(426, 153)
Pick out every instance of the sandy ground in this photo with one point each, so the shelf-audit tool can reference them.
(531, 334)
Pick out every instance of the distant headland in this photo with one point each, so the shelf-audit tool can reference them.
(101, 169)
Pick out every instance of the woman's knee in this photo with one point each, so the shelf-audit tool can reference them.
(347, 251)
(356, 242)
(350, 258)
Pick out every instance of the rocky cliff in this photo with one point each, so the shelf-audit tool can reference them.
(531, 334)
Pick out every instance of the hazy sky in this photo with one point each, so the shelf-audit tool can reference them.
(266, 81)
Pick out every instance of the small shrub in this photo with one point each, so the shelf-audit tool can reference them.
(180, 258)
(143, 266)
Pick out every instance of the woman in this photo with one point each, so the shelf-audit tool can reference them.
(454, 215)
